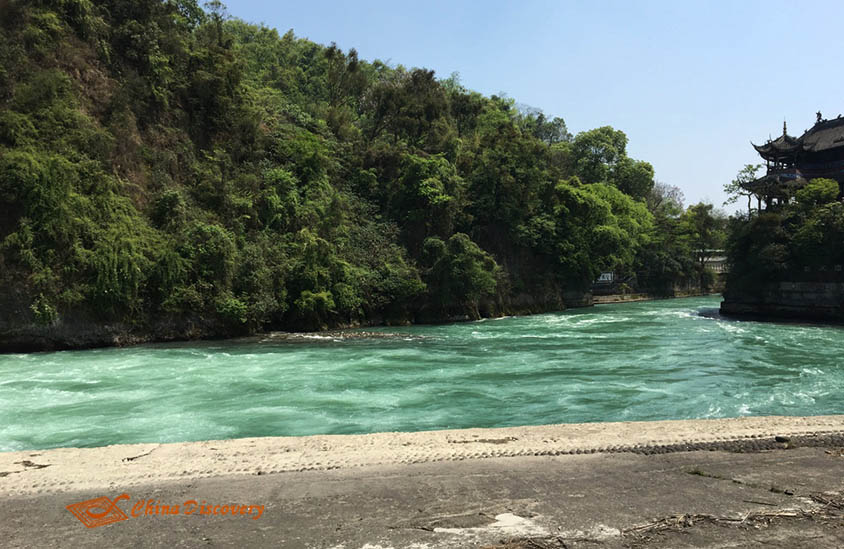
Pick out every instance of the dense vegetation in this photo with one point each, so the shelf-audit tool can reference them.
(798, 241)
(158, 160)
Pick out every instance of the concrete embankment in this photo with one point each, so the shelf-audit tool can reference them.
(627, 298)
(714, 483)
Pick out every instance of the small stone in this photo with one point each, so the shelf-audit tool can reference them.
(780, 438)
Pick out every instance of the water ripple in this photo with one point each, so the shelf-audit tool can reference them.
(637, 361)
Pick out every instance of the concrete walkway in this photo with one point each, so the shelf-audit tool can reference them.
(751, 489)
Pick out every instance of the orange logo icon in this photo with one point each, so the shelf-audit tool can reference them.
(98, 511)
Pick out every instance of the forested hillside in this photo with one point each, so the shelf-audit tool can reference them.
(173, 171)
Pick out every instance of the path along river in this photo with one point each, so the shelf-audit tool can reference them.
(672, 359)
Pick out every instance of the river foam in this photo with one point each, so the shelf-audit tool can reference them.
(636, 361)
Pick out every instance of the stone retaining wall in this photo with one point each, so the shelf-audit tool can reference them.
(809, 300)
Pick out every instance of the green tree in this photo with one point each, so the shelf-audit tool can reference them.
(594, 153)
(665, 200)
(459, 273)
(666, 259)
(219, 14)
(426, 198)
(757, 252)
(735, 188)
(705, 230)
(818, 192)
(634, 178)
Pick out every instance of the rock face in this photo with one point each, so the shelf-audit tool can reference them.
(20, 331)
(791, 300)
(83, 332)
(578, 299)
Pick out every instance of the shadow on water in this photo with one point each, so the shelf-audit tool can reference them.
(715, 314)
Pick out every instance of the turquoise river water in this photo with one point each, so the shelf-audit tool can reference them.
(637, 361)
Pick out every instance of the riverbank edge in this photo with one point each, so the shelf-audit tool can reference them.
(81, 331)
(84, 334)
(781, 313)
(637, 297)
(120, 466)
(794, 301)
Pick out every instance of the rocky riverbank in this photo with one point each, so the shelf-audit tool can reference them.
(21, 332)
(818, 301)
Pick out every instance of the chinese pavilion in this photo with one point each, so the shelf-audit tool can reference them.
(793, 161)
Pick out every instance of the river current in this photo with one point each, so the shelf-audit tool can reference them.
(672, 359)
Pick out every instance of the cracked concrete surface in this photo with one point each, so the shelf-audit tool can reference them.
(130, 465)
(784, 497)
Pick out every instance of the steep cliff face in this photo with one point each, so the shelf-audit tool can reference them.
(790, 300)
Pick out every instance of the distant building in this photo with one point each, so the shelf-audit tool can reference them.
(717, 262)
(606, 278)
(793, 161)
(606, 284)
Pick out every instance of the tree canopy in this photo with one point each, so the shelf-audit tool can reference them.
(802, 240)
(161, 160)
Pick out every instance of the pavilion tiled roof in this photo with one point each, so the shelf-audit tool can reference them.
(824, 135)
(781, 145)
